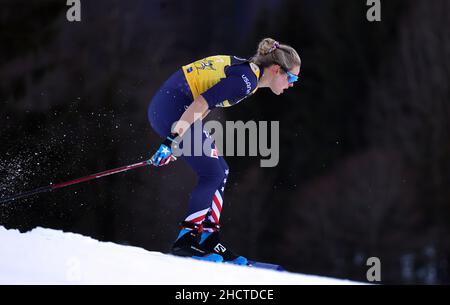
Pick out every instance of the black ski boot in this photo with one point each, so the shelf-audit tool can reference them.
(210, 241)
(187, 244)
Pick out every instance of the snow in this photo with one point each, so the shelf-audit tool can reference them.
(46, 256)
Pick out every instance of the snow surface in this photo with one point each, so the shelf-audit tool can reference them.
(46, 256)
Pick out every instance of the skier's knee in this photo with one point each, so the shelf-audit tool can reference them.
(226, 169)
(219, 176)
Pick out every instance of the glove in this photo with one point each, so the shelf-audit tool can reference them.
(164, 153)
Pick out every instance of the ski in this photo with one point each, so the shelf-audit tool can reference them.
(251, 263)
(262, 265)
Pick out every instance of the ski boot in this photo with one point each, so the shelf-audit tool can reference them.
(187, 244)
(210, 241)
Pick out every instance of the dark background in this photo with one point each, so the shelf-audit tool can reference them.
(364, 135)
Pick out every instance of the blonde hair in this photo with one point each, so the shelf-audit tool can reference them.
(271, 52)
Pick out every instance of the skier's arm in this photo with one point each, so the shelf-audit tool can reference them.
(238, 84)
(198, 109)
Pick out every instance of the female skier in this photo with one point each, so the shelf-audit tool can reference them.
(189, 94)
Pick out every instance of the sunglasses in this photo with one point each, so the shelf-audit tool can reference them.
(292, 78)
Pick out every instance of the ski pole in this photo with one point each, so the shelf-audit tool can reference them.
(52, 187)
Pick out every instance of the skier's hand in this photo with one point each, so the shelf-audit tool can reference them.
(164, 153)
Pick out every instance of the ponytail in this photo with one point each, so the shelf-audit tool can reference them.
(271, 52)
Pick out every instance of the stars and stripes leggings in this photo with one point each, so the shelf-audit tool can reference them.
(166, 107)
